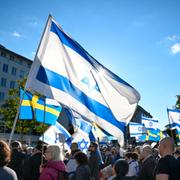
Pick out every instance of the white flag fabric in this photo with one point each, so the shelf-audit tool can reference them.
(56, 134)
(136, 129)
(150, 123)
(82, 138)
(64, 71)
(174, 117)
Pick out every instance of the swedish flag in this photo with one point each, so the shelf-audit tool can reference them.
(40, 109)
(152, 135)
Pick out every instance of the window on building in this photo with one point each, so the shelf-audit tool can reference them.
(3, 54)
(13, 72)
(5, 68)
(3, 82)
(11, 57)
(12, 84)
(2, 96)
(21, 74)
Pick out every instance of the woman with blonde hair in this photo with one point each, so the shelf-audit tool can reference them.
(55, 165)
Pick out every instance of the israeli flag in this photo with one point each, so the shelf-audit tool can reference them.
(150, 123)
(56, 134)
(174, 117)
(81, 135)
(136, 129)
(64, 71)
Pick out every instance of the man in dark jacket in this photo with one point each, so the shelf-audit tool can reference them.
(17, 158)
(32, 164)
(149, 163)
(94, 161)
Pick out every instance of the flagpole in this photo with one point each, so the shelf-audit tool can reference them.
(170, 124)
(44, 118)
(16, 118)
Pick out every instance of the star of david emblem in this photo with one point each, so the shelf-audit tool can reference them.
(139, 128)
(82, 144)
(91, 86)
(150, 123)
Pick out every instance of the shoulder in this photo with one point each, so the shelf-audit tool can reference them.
(8, 173)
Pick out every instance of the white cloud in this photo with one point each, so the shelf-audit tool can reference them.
(16, 34)
(175, 48)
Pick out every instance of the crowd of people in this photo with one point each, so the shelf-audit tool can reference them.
(50, 162)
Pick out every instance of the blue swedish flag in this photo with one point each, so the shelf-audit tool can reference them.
(34, 107)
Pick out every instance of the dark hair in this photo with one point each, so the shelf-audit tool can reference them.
(134, 156)
(121, 167)
(128, 155)
(5, 153)
(81, 158)
(15, 144)
(94, 144)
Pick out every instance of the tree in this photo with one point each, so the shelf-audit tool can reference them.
(178, 102)
(9, 110)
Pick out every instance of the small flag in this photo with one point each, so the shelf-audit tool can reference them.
(55, 133)
(174, 117)
(150, 123)
(136, 129)
(33, 107)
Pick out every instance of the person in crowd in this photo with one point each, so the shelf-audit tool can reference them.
(149, 163)
(168, 167)
(121, 168)
(71, 164)
(83, 171)
(131, 158)
(17, 158)
(32, 164)
(55, 165)
(6, 173)
(94, 161)
(177, 154)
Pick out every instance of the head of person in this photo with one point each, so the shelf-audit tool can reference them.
(54, 153)
(128, 156)
(81, 158)
(121, 167)
(93, 147)
(16, 145)
(74, 148)
(166, 146)
(5, 153)
(146, 151)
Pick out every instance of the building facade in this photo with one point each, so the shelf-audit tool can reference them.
(13, 67)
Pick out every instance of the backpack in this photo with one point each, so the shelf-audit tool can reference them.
(63, 175)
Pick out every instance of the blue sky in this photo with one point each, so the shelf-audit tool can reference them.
(139, 40)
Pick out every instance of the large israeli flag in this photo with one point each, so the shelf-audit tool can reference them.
(64, 71)
(174, 117)
(150, 123)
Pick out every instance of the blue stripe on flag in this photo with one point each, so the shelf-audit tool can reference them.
(51, 78)
(82, 52)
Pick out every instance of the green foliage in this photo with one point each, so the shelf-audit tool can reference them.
(9, 110)
(178, 102)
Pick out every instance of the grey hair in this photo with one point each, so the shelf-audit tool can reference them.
(57, 152)
(147, 149)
